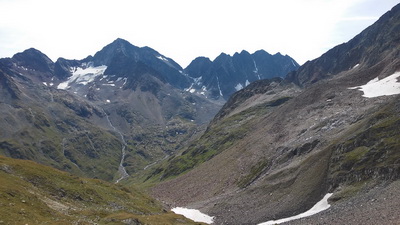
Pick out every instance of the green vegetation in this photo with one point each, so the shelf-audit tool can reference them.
(348, 191)
(31, 193)
(371, 152)
(255, 172)
(356, 154)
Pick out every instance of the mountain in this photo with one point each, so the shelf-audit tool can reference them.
(217, 79)
(121, 59)
(278, 146)
(128, 106)
(96, 120)
(50, 126)
(228, 74)
(92, 120)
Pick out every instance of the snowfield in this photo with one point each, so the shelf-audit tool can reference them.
(82, 76)
(194, 215)
(375, 88)
(319, 207)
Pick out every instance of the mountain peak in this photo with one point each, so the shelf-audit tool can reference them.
(117, 47)
(244, 52)
(34, 59)
(31, 53)
(121, 42)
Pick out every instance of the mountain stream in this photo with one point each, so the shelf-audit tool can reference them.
(121, 169)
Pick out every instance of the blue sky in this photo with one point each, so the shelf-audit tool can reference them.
(185, 29)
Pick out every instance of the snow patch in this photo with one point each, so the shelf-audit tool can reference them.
(247, 83)
(192, 90)
(198, 80)
(375, 88)
(356, 66)
(239, 87)
(319, 207)
(45, 84)
(108, 101)
(293, 63)
(219, 87)
(194, 215)
(162, 58)
(82, 76)
(256, 70)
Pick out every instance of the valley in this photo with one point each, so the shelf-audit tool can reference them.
(128, 136)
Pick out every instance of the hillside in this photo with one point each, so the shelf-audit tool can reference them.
(275, 149)
(60, 134)
(31, 193)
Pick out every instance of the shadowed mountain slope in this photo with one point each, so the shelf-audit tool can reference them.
(228, 74)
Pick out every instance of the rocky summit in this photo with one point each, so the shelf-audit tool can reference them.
(228, 74)
(247, 139)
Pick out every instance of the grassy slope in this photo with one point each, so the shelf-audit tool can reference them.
(31, 193)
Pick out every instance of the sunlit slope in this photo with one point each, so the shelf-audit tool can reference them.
(31, 193)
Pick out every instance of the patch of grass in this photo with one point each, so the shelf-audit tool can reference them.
(348, 191)
(167, 218)
(255, 172)
(356, 154)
